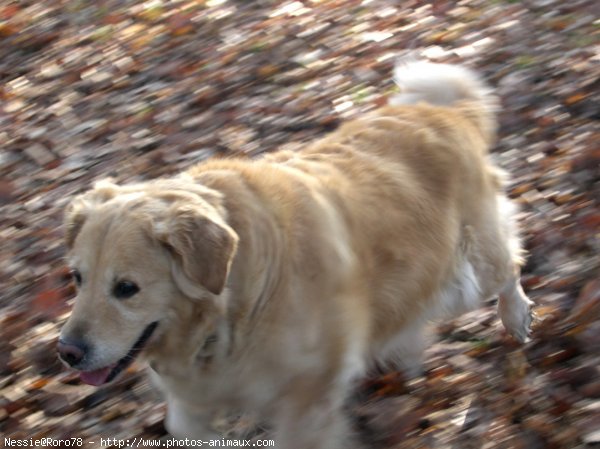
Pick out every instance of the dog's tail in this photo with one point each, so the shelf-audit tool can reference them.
(447, 85)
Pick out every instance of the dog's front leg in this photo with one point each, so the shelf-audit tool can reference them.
(183, 421)
(322, 425)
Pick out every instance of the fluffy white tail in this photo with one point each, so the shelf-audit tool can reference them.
(446, 85)
(440, 84)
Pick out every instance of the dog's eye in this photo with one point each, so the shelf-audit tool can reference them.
(125, 289)
(76, 275)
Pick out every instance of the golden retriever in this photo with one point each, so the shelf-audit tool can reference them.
(270, 285)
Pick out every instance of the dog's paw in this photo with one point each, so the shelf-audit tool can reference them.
(516, 317)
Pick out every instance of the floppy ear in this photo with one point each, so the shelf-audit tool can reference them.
(203, 249)
(77, 211)
(75, 216)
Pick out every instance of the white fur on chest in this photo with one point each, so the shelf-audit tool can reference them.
(224, 388)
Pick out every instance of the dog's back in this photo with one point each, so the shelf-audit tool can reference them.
(415, 186)
(349, 247)
(405, 200)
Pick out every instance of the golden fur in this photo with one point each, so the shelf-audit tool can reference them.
(276, 282)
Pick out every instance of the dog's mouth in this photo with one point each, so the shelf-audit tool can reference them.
(109, 373)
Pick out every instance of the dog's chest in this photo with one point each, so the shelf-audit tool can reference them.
(204, 386)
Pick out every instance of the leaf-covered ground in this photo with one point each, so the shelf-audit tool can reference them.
(137, 90)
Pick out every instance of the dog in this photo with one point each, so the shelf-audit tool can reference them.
(271, 285)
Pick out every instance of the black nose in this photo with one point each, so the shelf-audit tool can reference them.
(70, 352)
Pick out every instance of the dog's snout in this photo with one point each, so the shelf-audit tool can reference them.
(71, 353)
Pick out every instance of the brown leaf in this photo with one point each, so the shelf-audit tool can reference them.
(440, 371)
(44, 358)
(8, 11)
(55, 404)
(49, 303)
(575, 98)
(558, 356)
(388, 385)
(180, 24)
(591, 390)
(7, 189)
(587, 305)
(516, 365)
(69, 378)
(5, 352)
(13, 324)
(37, 384)
(267, 70)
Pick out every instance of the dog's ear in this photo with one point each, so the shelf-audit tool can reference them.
(75, 216)
(203, 247)
(78, 209)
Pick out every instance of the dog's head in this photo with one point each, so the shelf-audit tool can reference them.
(133, 250)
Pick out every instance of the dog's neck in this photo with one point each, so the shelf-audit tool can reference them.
(198, 337)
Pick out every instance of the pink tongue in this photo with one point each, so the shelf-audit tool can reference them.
(96, 377)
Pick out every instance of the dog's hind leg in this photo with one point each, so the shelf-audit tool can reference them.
(514, 308)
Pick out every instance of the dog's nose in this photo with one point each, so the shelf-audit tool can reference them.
(70, 353)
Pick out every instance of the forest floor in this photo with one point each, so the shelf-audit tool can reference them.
(137, 90)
